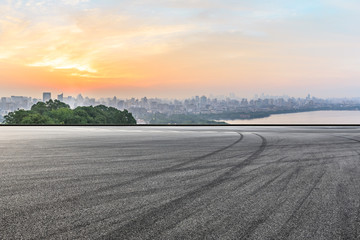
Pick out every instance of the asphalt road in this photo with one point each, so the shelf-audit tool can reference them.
(179, 183)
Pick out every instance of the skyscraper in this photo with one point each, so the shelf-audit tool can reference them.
(60, 97)
(46, 96)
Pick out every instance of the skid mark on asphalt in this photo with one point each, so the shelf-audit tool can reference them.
(265, 185)
(290, 225)
(166, 170)
(349, 138)
(89, 196)
(271, 209)
(347, 232)
(149, 225)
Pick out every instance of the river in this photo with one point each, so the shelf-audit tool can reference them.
(315, 117)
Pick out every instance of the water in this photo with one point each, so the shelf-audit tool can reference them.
(317, 117)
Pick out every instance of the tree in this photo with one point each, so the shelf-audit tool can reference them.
(36, 119)
(56, 112)
(50, 105)
(15, 117)
(62, 115)
(39, 107)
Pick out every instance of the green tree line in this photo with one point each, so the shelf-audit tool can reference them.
(59, 113)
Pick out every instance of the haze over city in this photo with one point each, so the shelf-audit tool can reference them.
(179, 48)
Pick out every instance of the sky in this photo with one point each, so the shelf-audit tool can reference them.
(159, 48)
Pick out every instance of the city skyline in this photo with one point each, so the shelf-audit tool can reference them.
(199, 109)
(179, 48)
(47, 95)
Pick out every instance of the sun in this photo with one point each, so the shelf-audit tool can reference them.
(64, 63)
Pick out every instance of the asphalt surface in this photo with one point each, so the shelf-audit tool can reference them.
(179, 183)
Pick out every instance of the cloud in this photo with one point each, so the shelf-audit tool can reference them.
(74, 2)
(63, 63)
(86, 43)
(173, 42)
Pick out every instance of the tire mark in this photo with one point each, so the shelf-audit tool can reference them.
(343, 194)
(276, 148)
(265, 185)
(146, 223)
(253, 225)
(59, 231)
(357, 218)
(291, 146)
(266, 164)
(349, 222)
(266, 214)
(347, 232)
(357, 221)
(349, 138)
(87, 195)
(54, 234)
(288, 226)
(287, 179)
(165, 170)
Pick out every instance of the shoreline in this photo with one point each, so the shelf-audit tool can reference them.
(262, 115)
(303, 117)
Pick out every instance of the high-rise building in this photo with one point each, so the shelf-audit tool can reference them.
(60, 97)
(46, 96)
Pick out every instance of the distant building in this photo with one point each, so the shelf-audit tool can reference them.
(46, 96)
(203, 100)
(60, 97)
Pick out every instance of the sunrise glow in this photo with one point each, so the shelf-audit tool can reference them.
(179, 48)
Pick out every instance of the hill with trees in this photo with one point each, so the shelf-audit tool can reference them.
(59, 113)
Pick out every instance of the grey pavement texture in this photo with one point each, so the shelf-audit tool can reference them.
(180, 182)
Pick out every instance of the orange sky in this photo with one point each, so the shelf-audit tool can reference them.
(158, 48)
